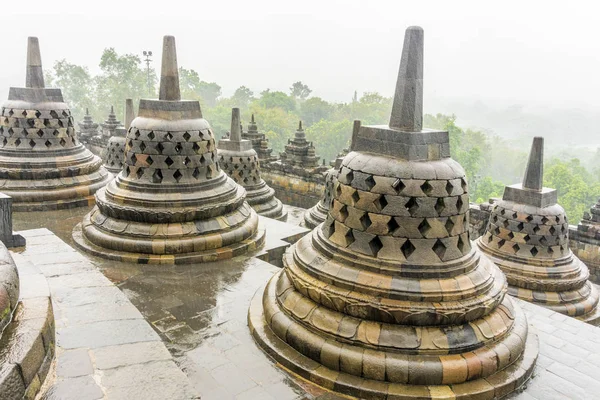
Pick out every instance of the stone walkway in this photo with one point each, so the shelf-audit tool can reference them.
(107, 347)
(104, 346)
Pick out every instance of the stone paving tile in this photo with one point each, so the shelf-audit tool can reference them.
(200, 314)
(128, 354)
(83, 387)
(74, 363)
(105, 348)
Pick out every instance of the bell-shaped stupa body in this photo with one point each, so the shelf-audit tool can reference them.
(318, 213)
(527, 236)
(259, 142)
(240, 161)
(171, 203)
(43, 166)
(387, 298)
(114, 155)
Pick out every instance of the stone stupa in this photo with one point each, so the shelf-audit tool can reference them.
(114, 156)
(318, 213)
(387, 298)
(171, 203)
(240, 161)
(43, 166)
(299, 152)
(88, 128)
(527, 236)
(259, 142)
(110, 125)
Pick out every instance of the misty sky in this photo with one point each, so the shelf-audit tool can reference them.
(525, 52)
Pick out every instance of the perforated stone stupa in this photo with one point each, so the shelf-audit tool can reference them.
(114, 156)
(43, 165)
(387, 297)
(259, 142)
(171, 203)
(240, 161)
(527, 236)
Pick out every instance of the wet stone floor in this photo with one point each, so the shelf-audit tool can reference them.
(199, 313)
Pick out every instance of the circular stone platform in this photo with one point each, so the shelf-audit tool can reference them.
(387, 298)
(171, 203)
(43, 166)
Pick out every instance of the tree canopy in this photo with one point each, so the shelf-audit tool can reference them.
(490, 162)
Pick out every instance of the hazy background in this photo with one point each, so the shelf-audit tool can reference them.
(534, 54)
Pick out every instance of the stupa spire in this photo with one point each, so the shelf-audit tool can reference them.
(407, 110)
(355, 130)
(534, 173)
(236, 132)
(169, 74)
(34, 76)
(129, 114)
(252, 120)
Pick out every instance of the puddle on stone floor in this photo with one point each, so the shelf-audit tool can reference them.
(199, 311)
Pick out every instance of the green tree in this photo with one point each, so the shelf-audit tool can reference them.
(242, 97)
(577, 189)
(314, 109)
(192, 88)
(281, 100)
(121, 77)
(77, 86)
(300, 90)
(330, 137)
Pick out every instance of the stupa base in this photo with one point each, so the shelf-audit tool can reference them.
(222, 253)
(77, 192)
(494, 386)
(273, 209)
(314, 216)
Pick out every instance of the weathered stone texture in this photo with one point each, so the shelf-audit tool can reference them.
(171, 203)
(387, 298)
(529, 241)
(43, 165)
(240, 161)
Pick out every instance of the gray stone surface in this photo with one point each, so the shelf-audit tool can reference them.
(407, 111)
(169, 76)
(534, 172)
(35, 75)
(105, 348)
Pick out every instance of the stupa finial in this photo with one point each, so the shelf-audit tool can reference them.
(112, 109)
(236, 133)
(169, 73)
(129, 115)
(534, 173)
(87, 111)
(299, 125)
(252, 119)
(35, 75)
(407, 110)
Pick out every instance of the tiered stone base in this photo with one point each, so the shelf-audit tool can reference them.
(176, 243)
(314, 216)
(263, 201)
(27, 349)
(560, 285)
(374, 368)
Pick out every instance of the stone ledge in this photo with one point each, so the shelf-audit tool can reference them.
(27, 349)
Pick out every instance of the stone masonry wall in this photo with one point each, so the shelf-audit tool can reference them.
(295, 190)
